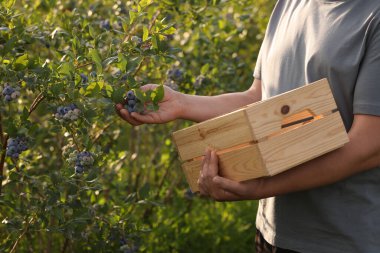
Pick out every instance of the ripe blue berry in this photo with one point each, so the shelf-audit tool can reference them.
(16, 146)
(83, 161)
(175, 74)
(136, 40)
(131, 95)
(10, 93)
(67, 113)
(105, 24)
(84, 78)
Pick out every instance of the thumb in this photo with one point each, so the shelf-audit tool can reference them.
(148, 87)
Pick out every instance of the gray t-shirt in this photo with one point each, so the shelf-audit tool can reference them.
(307, 40)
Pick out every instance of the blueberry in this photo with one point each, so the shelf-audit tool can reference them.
(79, 169)
(84, 78)
(132, 108)
(8, 90)
(175, 74)
(8, 98)
(136, 40)
(15, 155)
(131, 95)
(60, 110)
(72, 106)
(66, 109)
(131, 102)
(105, 24)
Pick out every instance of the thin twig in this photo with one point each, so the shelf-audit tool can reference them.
(73, 137)
(139, 67)
(1, 130)
(2, 160)
(21, 236)
(84, 65)
(97, 137)
(36, 102)
(153, 20)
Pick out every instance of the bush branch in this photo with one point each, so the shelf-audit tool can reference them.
(21, 236)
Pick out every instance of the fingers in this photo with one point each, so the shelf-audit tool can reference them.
(148, 87)
(124, 114)
(146, 118)
(227, 184)
(214, 186)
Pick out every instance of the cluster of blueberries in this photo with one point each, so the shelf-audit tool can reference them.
(105, 24)
(174, 76)
(131, 101)
(16, 146)
(10, 93)
(67, 113)
(82, 161)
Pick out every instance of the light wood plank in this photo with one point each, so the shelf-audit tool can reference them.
(220, 133)
(238, 165)
(242, 164)
(265, 117)
(304, 143)
(191, 170)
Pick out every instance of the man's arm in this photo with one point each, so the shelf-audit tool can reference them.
(196, 108)
(360, 154)
(200, 108)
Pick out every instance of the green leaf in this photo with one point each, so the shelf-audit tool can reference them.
(67, 68)
(118, 95)
(145, 33)
(205, 68)
(110, 60)
(160, 92)
(140, 95)
(21, 62)
(108, 89)
(92, 89)
(95, 56)
(155, 42)
(8, 3)
(132, 16)
(91, 31)
(122, 65)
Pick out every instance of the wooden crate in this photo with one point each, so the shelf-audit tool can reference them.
(267, 137)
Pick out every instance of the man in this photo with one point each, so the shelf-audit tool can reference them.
(331, 203)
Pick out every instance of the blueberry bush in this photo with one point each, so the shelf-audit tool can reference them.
(74, 176)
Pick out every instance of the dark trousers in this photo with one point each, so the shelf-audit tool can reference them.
(263, 246)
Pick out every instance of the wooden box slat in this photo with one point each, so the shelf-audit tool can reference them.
(220, 133)
(265, 117)
(302, 144)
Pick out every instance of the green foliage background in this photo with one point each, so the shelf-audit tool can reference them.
(135, 198)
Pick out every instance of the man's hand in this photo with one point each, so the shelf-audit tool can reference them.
(169, 109)
(223, 189)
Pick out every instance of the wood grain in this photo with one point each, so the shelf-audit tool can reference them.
(238, 164)
(220, 133)
(266, 118)
(302, 144)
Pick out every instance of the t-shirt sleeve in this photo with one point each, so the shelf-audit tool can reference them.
(257, 71)
(367, 89)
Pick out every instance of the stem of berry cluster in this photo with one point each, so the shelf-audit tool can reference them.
(36, 102)
(22, 235)
(4, 141)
